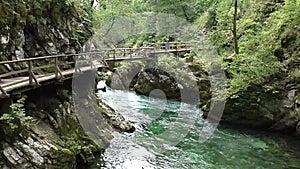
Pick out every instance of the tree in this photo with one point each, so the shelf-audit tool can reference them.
(235, 41)
(228, 32)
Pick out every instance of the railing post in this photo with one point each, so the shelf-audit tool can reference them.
(91, 57)
(103, 58)
(56, 66)
(114, 53)
(77, 67)
(177, 53)
(57, 69)
(131, 53)
(31, 74)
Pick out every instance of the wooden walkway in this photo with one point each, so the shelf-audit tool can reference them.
(32, 72)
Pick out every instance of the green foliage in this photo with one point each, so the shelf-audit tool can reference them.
(144, 39)
(207, 19)
(262, 28)
(224, 12)
(249, 69)
(16, 121)
(296, 74)
(187, 9)
(108, 10)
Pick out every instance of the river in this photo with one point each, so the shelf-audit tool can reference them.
(157, 141)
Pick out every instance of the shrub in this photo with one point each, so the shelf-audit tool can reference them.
(16, 121)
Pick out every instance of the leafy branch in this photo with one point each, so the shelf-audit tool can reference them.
(16, 121)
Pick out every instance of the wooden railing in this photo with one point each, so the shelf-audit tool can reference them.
(55, 63)
(124, 52)
(171, 45)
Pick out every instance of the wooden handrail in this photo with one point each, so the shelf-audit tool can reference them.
(88, 57)
(49, 57)
(97, 51)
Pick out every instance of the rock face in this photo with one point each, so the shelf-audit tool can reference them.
(31, 28)
(115, 119)
(273, 105)
(154, 78)
(203, 82)
(43, 148)
(125, 76)
(55, 137)
(165, 78)
(258, 108)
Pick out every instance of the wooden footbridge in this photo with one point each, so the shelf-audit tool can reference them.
(25, 74)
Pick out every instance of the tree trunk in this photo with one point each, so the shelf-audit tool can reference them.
(236, 47)
(184, 11)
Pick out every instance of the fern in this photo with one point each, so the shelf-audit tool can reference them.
(16, 121)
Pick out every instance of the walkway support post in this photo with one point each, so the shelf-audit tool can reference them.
(3, 91)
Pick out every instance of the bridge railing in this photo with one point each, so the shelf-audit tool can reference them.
(29, 67)
(52, 64)
(171, 45)
(118, 53)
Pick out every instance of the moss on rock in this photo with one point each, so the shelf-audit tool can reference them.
(56, 140)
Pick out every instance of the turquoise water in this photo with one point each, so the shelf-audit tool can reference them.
(168, 136)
